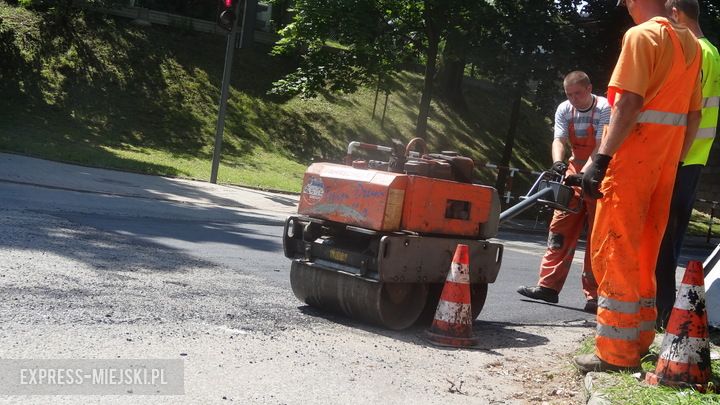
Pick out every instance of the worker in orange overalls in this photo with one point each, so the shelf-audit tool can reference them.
(656, 99)
(578, 122)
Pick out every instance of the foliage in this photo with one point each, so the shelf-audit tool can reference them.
(347, 44)
(710, 20)
(523, 45)
(601, 29)
(376, 38)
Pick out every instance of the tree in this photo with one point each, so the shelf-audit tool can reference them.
(525, 47)
(472, 21)
(710, 20)
(346, 44)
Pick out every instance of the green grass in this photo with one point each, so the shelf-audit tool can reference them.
(626, 389)
(629, 391)
(700, 222)
(109, 94)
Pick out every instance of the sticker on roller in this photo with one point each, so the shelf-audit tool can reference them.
(314, 189)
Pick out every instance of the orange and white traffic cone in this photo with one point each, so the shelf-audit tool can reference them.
(452, 325)
(684, 359)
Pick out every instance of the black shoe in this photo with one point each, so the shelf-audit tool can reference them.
(539, 293)
(590, 306)
(589, 362)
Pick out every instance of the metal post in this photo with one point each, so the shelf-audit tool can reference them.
(377, 93)
(382, 120)
(225, 89)
(247, 30)
(712, 220)
(508, 184)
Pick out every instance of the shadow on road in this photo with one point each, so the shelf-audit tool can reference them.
(554, 305)
(493, 335)
(112, 233)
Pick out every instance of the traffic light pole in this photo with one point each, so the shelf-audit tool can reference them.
(225, 89)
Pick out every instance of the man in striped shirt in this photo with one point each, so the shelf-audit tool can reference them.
(578, 128)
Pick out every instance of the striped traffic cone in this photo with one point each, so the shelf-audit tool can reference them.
(684, 359)
(452, 325)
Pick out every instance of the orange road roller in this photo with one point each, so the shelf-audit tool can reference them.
(374, 239)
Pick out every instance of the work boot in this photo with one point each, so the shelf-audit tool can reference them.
(539, 293)
(591, 306)
(590, 362)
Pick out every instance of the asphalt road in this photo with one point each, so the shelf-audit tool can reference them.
(251, 244)
(98, 276)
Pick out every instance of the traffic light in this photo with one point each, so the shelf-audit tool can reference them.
(227, 15)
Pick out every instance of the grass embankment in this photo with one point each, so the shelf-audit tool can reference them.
(624, 388)
(106, 93)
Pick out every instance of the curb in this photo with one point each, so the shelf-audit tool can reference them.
(169, 176)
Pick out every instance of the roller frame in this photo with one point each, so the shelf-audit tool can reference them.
(387, 257)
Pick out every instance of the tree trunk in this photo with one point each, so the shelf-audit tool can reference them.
(509, 141)
(430, 71)
(453, 71)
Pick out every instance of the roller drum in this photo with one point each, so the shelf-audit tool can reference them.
(391, 305)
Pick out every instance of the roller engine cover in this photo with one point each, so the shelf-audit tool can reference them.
(393, 202)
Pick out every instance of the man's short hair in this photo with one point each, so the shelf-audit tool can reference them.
(690, 8)
(576, 77)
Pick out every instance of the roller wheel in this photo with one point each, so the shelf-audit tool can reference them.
(391, 305)
(478, 294)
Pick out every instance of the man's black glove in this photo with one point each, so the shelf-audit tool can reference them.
(574, 180)
(593, 177)
(559, 167)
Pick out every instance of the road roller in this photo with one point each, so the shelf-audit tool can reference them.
(374, 239)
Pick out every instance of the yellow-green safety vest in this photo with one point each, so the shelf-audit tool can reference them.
(700, 149)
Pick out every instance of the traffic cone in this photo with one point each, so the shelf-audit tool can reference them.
(452, 325)
(684, 359)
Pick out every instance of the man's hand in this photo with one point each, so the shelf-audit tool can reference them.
(574, 180)
(593, 177)
(559, 167)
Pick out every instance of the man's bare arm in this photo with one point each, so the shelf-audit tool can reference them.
(621, 122)
(558, 149)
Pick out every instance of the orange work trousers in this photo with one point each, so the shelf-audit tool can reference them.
(565, 229)
(629, 224)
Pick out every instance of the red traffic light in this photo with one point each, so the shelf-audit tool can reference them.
(227, 16)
